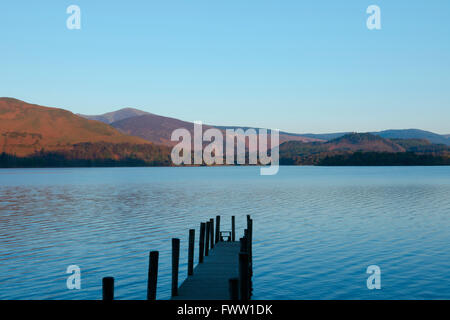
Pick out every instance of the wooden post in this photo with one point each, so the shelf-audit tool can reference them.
(217, 229)
(208, 235)
(233, 285)
(233, 228)
(191, 252)
(201, 243)
(152, 275)
(108, 288)
(250, 238)
(243, 276)
(243, 244)
(212, 232)
(175, 264)
(250, 255)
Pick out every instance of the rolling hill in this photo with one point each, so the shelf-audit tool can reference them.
(158, 129)
(26, 128)
(364, 149)
(413, 134)
(34, 135)
(114, 116)
(294, 152)
(362, 142)
(154, 128)
(391, 134)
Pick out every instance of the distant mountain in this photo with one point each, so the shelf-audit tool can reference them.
(364, 149)
(300, 153)
(351, 142)
(447, 136)
(363, 142)
(114, 116)
(33, 135)
(391, 134)
(413, 134)
(158, 129)
(26, 128)
(154, 128)
(284, 136)
(324, 136)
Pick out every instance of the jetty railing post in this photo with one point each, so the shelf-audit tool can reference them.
(191, 252)
(175, 264)
(243, 242)
(108, 288)
(201, 243)
(233, 228)
(152, 275)
(212, 232)
(233, 285)
(208, 235)
(250, 238)
(243, 276)
(217, 229)
(250, 255)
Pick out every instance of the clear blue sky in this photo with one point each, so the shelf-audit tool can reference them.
(300, 66)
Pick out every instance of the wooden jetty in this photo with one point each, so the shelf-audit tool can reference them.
(224, 271)
(210, 280)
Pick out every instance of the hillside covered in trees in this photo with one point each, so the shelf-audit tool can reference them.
(364, 149)
(102, 154)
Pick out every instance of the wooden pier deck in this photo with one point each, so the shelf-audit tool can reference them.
(224, 271)
(210, 278)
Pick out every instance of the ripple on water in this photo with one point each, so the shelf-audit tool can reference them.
(315, 229)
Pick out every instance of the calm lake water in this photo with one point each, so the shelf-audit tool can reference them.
(316, 229)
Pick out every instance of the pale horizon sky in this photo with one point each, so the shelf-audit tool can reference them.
(304, 67)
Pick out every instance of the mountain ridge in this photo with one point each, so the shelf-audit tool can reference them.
(26, 128)
(114, 116)
(151, 132)
(33, 135)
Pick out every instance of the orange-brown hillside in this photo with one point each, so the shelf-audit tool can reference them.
(26, 128)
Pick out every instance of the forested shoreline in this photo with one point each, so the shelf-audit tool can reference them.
(67, 159)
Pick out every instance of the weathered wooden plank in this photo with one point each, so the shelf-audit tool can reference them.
(210, 280)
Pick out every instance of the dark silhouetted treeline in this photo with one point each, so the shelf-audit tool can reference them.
(133, 155)
(93, 155)
(384, 159)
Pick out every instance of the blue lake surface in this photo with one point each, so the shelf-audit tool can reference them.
(316, 229)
